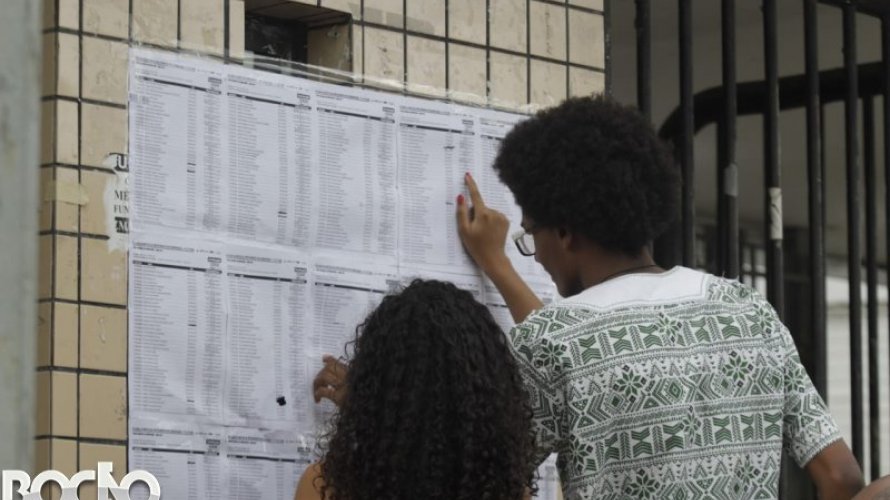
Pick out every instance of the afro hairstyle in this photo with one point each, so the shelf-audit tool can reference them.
(594, 167)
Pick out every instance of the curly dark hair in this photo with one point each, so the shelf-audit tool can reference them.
(435, 407)
(595, 167)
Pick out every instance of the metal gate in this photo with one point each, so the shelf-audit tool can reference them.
(795, 283)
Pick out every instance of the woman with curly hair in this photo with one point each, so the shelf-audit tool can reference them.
(433, 406)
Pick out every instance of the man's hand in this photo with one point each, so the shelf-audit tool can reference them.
(330, 382)
(484, 232)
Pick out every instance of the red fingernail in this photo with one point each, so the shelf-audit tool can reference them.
(460, 199)
(468, 174)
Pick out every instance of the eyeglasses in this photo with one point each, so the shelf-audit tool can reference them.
(525, 243)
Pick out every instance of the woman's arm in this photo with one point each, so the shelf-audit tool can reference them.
(310, 482)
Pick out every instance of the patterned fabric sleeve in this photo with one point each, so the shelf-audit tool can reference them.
(808, 426)
(541, 362)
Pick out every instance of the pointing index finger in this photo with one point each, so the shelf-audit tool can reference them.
(474, 190)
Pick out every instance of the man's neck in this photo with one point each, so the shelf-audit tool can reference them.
(608, 265)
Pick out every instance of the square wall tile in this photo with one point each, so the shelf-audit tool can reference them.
(65, 342)
(384, 57)
(426, 66)
(331, 47)
(104, 133)
(47, 132)
(548, 83)
(68, 65)
(65, 267)
(56, 454)
(44, 334)
(105, 66)
(94, 214)
(49, 15)
(388, 12)
(69, 14)
(103, 407)
(202, 25)
(509, 24)
(588, 4)
(467, 73)
(64, 404)
(354, 7)
(47, 186)
(155, 21)
(587, 39)
(584, 82)
(236, 29)
(548, 30)
(59, 129)
(103, 338)
(90, 456)
(67, 196)
(42, 455)
(64, 456)
(426, 16)
(49, 64)
(508, 79)
(45, 266)
(43, 394)
(107, 17)
(467, 19)
(104, 273)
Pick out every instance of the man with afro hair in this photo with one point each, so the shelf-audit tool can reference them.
(648, 383)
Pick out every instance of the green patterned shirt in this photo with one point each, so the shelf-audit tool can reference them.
(675, 385)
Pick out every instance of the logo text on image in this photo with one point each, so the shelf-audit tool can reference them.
(20, 482)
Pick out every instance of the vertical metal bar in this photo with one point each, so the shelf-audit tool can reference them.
(687, 141)
(729, 187)
(20, 65)
(816, 196)
(871, 266)
(722, 219)
(607, 27)
(772, 175)
(644, 58)
(854, 250)
(885, 64)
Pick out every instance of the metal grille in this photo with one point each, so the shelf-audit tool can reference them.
(721, 246)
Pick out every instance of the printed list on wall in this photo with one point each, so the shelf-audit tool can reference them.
(268, 215)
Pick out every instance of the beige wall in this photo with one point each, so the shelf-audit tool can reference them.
(82, 358)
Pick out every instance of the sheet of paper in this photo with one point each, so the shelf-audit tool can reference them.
(265, 463)
(269, 375)
(177, 326)
(548, 479)
(493, 127)
(177, 121)
(356, 208)
(344, 294)
(437, 145)
(271, 152)
(186, 456)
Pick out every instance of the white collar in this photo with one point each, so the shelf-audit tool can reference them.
(679, 284)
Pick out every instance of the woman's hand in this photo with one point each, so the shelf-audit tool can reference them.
(330, 382)
(482, 230)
